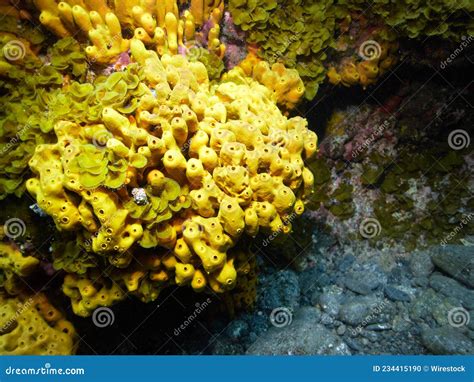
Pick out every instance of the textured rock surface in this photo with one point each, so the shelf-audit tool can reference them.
(330, 300)
(283, 291)
(396, 294)
(452, 288)
(420, 264)
(457, 261)
(447, 340)
(357, 310)
(303, 336)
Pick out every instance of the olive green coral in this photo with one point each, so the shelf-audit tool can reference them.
(445, 18)
(296, 33)
(34, 99)
(73, 255)
(67, 54)
(399, 212)
(302, 33)
(13, 24)
(404, 192)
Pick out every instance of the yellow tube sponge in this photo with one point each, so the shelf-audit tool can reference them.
(32, 326)
(364, 70)
(184, 273)
(87, 294)
(106, 37)
(11, 259)
(158, 24)
(227, 275)
(286, 84)
(184, 173)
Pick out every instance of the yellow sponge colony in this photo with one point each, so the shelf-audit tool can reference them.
(157, 24)
(32, 326)
(29, 325)
(286, 84)
(86, 295)
(352, 71)
(185, 174)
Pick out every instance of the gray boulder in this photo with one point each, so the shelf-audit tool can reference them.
(457, 261)
(360, 310)
(420, 264)
(447, 340)
(451, 288)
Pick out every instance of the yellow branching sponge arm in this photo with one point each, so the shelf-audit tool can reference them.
(158, 24)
